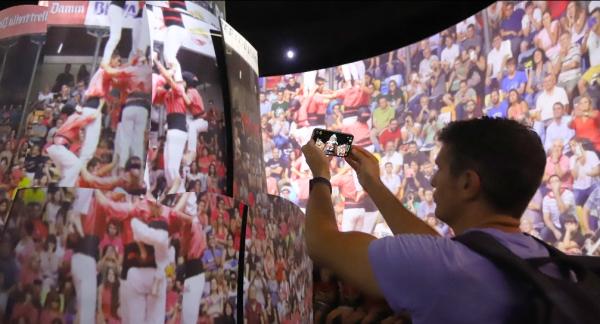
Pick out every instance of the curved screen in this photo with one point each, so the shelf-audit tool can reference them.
(537, 63)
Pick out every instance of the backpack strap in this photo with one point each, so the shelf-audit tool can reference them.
(554, 291)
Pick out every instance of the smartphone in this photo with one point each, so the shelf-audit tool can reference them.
(333, 143)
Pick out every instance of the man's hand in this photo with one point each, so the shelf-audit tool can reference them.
(317, 161)
(365, 164)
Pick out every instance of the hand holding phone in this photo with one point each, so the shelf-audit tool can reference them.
(332, 143)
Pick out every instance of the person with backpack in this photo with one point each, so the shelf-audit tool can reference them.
(490, 272)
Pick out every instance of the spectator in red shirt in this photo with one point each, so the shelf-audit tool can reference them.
(391, 133)
(586, 122)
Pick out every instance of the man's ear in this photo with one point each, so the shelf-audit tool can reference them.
(469, 184)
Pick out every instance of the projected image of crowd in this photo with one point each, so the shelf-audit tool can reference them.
(534, 62)
(68, 254)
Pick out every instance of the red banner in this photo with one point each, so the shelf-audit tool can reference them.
(67, 12)
(23, 20)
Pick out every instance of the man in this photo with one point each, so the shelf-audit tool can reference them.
(65, 78)
(547, 98)
(66, 141)
(392, 156)
(176, 102)
(95, 96)
(412, 271)
(514, 79)
(558, 127)
(498, 108)
(567, 64)
(449, 53)
(197, 115)
(391, 134)
(472, 39)
(135, 112)
(427, 206)
(496, 60)
(382, 115)
(390, 179)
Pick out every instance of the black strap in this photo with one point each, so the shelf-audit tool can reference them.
(567, 299)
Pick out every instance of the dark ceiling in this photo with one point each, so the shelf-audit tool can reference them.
(327, 33)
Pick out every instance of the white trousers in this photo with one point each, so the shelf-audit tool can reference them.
(369, 222)
(142, 306)
(309, 80)
(115, 18)
(147, 287)
(123, 310)
(92, 135)
(132, 128)
(192, 295)
(195, 126)
(68, 163)
(140, 36)
(173, 40)
(352, 218)
(174, 149)
(83, 270)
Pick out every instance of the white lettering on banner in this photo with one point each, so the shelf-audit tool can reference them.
(15, 20)
(59, 8)
(240, 45)
(101, 8)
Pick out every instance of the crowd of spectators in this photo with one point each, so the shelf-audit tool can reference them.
(36, 283)
(277, 274)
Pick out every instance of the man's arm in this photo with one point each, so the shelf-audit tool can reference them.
(346, 253)
(399, 219)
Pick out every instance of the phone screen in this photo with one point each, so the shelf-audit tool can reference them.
(333, 143)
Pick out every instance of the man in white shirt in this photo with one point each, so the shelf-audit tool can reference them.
(425, 65)
(392, 156)
(390, 179)
(558, 127)
(449, 53)
(548, 97)
(497, 59)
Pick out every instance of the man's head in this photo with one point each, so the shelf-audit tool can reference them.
(389, 167)
(393, 125)
(511, 65)
(549, 82)
(558, 110)
(382, 102)
(428, 196)
(115, 60)
(494, 97)
(320, 84)
(477, 167)
(470, 31)
(497, 41)
(565, 39)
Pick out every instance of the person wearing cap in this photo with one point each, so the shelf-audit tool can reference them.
(65, 140)
(196, 118)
